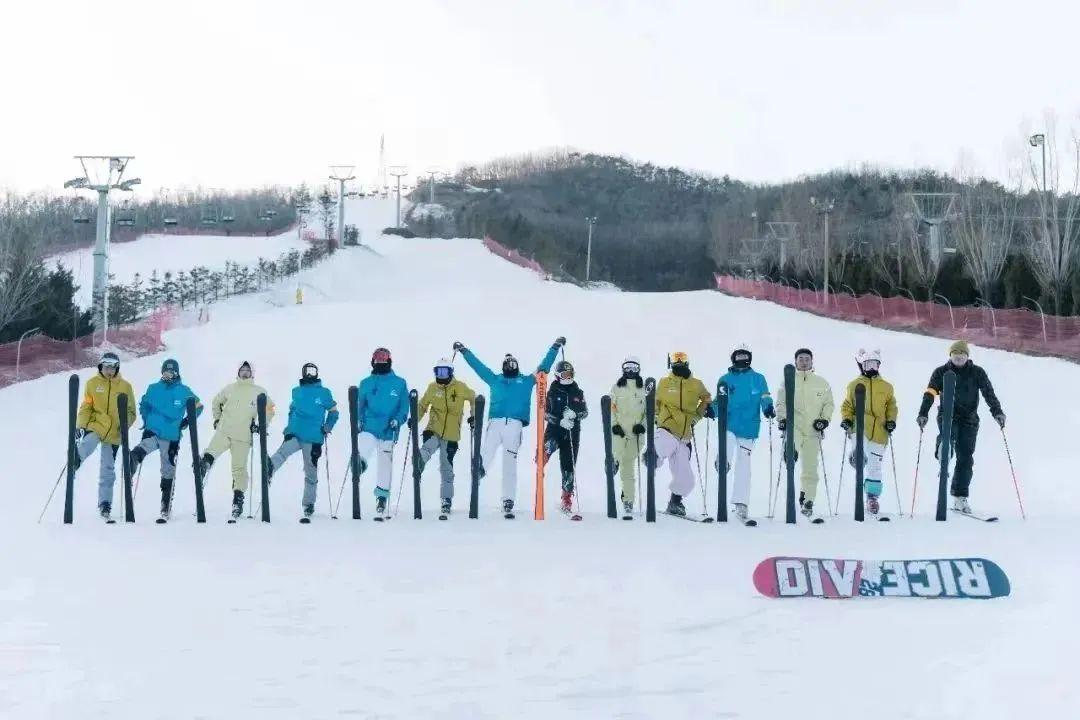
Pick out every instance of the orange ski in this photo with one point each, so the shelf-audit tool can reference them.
(541, 402)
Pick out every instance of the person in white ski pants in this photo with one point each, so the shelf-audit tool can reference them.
(670, 448)
(738, 456)
(368, 445)
(505, 433)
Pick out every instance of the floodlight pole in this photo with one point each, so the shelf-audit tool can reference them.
(825, 207)
(398, 171)
(1039, 139)
(589, 222)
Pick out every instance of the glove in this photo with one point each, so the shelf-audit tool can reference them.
(459, 346)
(80, 433)
(394, 424)
(1000, 417)
(471, 420)
(769, 412)
(890, 425)
(254, 427)
(638, 429)
(184, 424)
(820, 424)
(617, 431)
(921, 421)
(325, 429)
(709, 412)
(567, 423)
(568, 414)
(846, 427)
(781, 424)
(216, 421)
(560, 341)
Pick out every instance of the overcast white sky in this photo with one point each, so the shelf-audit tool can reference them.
(239, 93)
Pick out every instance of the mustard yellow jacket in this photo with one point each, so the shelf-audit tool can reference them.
(99, 411)
(680, 403)
(447, 405)
(880, 407)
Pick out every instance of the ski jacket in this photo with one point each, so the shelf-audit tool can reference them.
(813, 400)
(236, 407)
(511, 397)
(970, 381)
(680, 403)
(560, 397)
(880, 407)
(164, 406)
(748, 399)
(628, 404)
(380, 399)
(98, 412)
(447, 406)
(312, 407)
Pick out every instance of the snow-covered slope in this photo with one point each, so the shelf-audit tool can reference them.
(493, 619)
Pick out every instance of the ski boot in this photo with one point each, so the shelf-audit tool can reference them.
(309, 510)
(445, 509)
(135, 460)
(627, 506)
(566, 502)
(961, 505)
(166, 501)
(207, 462)
(741, 512)
(807, 508)
(508, 509)
(105, 510)
(380, 508)
(872, 506)
(237, 504)
(675, 506)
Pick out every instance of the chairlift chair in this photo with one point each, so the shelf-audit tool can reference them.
(209, 216)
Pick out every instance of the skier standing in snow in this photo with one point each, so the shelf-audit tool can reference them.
(511, 408)
(312, 416)
(445, 398)
(879, 421)
(681, 401)
(382, 408)
(98, 423)
(748, 401)
(628, 425)
(813, 410)
(164, 411)
(236, 416)
(970, 381)
(564, 411)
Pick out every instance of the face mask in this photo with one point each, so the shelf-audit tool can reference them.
(681, 370)
(566, 378)
(741, 361)
(168, 376)
(244, 374)
(959, 359)
(510, 367)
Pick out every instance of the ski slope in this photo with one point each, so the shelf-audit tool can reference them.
(525, 619)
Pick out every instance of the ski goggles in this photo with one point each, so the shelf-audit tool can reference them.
(380, 356)
(510, 363)
(109, 362)
(168, 375)
(565, 375)
(444, 372)
(631, 368)
(871, 364)
(679, 358)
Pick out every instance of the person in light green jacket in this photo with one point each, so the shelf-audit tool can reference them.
(813, 410)
(628, 426)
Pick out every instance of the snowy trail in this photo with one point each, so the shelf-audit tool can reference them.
(490, 619)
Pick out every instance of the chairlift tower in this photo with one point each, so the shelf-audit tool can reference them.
(934, 208)
(782, 233)
(398, 171)
(102, 173)
(343, 174)
(431, 173)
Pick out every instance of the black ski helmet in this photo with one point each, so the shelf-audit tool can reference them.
(309, 370)
(510, 367)
(564, 372)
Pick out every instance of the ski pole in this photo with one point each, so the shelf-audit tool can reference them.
(344, 477)
(138, 475)
(56, 485)
(329, 497)
(705, 500)
(776, 495)
(1012, 470)
(770, 461)
(697, 461)
(397, 503)
(825, 473)
(573, 469)
(896, 478)
(637, 440)
(915, 484)
(251, 462)
(843, 462)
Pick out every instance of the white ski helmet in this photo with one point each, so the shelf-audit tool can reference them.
(863, 355)
(444, 369)
(631, 364)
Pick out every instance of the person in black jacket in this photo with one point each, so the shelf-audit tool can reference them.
(970, 381)
(564, 411)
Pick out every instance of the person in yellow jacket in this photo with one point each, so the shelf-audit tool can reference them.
(813, 410)
(98, 423)
(628, 426)
(879, 420)
(681, 401)
(445, 397)
(235, 421)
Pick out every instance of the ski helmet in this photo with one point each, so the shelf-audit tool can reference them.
(381, 357)
(248, 365)
(679, 362)
(631, 365)
(564, 372)
(172, 367)
(869, 361)
(109, 359)
(510, 366)
(309, 370)
(444, 370)
(741, 357)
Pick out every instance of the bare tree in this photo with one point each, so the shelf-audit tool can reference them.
(918, 261)
(984, 233)
(21, 272)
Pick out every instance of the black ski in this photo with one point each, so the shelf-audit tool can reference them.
(260, 407)
(789, 441)
(354, 458)
(414, 442)
(749, 522)
(609, 460)
(860, 449)
(73, 410)
(196, 464)
(721, 445)
(948, 401)
(692, 518)
(125, 456)
(980, 518)
(474, 469)
(650, 450)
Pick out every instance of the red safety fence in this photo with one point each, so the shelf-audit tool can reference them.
(40, 355)
(514, 256)
(1019, 330)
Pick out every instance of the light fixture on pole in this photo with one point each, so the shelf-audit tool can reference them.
(1039, 140)
(343, 174)
(102, 173)
(825, 207)
(398, 171)
(589, 222)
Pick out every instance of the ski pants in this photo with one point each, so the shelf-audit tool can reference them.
(873, 457)
(107, 472)
(366, 445)
(965, 432)
(669, 447)
(168, 450)
(239, 448)
(626, 451)
(808, 447)
(447, 449)
(566, 443)
(311, 452)
(507, 433)
(738, 457)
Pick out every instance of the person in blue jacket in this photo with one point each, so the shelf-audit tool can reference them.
(382, 407)
(748, 401)
(312, 415)
(163, 408)
(511, 408)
